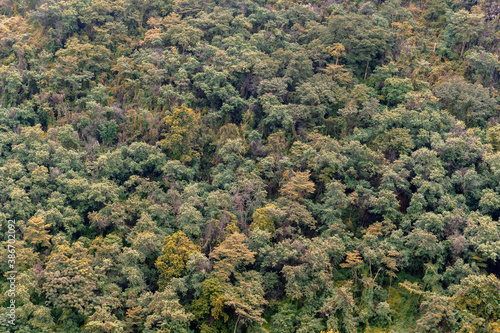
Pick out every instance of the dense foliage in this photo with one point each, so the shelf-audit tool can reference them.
(251, 165)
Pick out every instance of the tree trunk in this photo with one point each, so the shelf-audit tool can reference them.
(366, 70)
(463, 48)
(237, 321)
(390, 285)
(375, 278)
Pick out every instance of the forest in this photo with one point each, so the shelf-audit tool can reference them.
(250, 166)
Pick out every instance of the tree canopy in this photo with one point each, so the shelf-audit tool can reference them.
(191, 166)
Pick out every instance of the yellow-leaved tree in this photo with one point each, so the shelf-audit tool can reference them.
(264, 218)
(36, 231)
(183, 126)
(297, 186)
(175, 253)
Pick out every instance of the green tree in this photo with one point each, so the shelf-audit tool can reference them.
(340, 309)
(163, 311)
(470, 103)
(463, 28)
